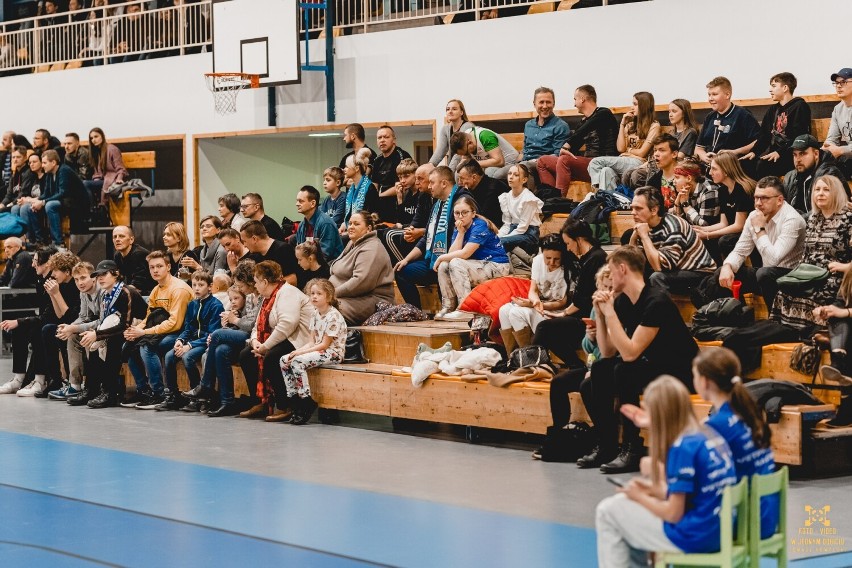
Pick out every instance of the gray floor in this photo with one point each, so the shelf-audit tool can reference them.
(369, 457)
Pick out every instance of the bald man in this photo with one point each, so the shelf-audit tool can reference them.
(130, 258)
(19, 272)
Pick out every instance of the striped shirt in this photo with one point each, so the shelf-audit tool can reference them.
(679, 246)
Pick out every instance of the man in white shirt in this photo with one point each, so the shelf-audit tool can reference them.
(777, 231)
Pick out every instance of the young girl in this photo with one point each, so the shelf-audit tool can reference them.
(521, 212)
(334, 205)
(221, 289)
(716, 377)
(329, 329)
(312, 264)
(520, 317)
(839, 318)
(686, 129)
(236, 305)
(681, 516)
(696, 201)
(363, 194)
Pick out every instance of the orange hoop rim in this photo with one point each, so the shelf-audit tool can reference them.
(253, 80)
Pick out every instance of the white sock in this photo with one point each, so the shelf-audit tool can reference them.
(18, 376)
(40, 379)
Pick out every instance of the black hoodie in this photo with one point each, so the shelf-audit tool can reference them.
(780, 126)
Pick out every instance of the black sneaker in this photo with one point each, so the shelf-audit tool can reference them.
(103, 400)
(150, 401)
(173, 401)
(192, 406)
(627, 460)
(134, 399)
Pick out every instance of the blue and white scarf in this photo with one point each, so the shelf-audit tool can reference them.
(437, 235)
(356, 196)
(109, 299)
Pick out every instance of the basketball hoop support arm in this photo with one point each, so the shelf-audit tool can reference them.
(328, 68)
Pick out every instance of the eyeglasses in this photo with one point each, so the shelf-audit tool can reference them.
(838, 84)
(243, 207)
(762, 198)
(207, 226)
(462, 213)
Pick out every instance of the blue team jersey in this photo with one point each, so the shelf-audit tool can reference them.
(748, 460)
(700, 465)
(490, 247)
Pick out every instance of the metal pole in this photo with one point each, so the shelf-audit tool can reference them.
(271, 108)
(330, 111)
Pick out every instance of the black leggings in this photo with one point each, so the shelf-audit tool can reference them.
(571, 380)
(271, 371)
(562, 336)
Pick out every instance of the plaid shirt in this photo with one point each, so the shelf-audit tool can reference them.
(704, 207)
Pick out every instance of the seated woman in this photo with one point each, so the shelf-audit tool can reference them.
(682, 120)
(638, 129)
(180, 255)
(839, 372)
(107, 166)
(212, 256)
(676, 510)
(226, 343)
(736, 202)
(475, 255)
(697, 200)
(548, 288)
(312, 264)
(828, 244)
(456, 121)
(362, 275)
(563, 331)
(20, 182)
(229, 212)
(521, 212)
(362, 195)
(281, 327)
(35, 232)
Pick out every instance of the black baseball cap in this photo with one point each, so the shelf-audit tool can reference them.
(845, 73)
(800, 143)
(105, 266)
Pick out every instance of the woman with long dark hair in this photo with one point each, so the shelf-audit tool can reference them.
(107, 166)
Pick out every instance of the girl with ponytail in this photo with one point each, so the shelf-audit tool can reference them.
(736, 417)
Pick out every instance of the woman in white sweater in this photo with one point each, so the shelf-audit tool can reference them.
(521, 213)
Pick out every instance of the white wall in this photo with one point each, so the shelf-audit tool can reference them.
(493, 66)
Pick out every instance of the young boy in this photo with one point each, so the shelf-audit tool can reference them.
(414, 206)
(203, 317)
(839, 140)
(221, 283)
(90, 310)
(334, 205)
(665, 155)
(783, 122)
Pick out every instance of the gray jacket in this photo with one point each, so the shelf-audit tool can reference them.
(90, 310)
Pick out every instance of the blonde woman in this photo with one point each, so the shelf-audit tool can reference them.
(183, 259)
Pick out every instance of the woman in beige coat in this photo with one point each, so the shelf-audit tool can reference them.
(362, 275)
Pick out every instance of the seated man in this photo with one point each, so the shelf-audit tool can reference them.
(492, 151)
(729, 127)
(665, 157)
(677, 259)
(486, 190)
(252, 209)
(20, 182)
(264, 247)
(399, 241)
(19, 271)
(384, 172)
(598, 132)
(76, 156)
(777, 232)
(839, 140)
(354, 137)
(641, 336)
(153, 339)
(60, 186)
(316, 224)
(417, 268)
(810, 163)
(131, 260)
(545, 134)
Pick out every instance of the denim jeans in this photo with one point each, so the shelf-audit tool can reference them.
(415, 273)
(606, 171)
(147, 368)
(53, 210)
(190, 361)
(223, 351)
(527, 241)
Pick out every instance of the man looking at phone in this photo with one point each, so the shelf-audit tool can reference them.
(641, 336)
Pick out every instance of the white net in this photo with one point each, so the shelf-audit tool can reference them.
(225, 88)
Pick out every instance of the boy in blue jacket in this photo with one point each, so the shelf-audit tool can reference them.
(203, 317)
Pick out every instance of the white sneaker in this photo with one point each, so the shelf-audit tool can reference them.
(11, 387)
(31, 389)
(457, 315)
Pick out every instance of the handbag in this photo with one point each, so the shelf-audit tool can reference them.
(354, 352)
(567, 444)
(805, 358)
(480, 325)
(802, 278)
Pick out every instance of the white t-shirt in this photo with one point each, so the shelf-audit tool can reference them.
(551, 285)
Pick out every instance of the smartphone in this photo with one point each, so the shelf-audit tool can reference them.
(591, 323)
(616, 481)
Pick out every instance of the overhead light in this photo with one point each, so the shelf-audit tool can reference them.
(323, 134)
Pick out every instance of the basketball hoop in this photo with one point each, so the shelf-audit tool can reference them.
(225, 88)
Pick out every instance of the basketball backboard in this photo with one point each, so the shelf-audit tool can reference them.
(259, 37)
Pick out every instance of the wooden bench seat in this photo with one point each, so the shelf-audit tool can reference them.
(394, 344)
(430, 298)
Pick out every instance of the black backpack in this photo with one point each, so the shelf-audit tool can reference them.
(719, 318)
(772, 394)
(567, 444)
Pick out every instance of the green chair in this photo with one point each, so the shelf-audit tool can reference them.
(775, 545)
(734, 551)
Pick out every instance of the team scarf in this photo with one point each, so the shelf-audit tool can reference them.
(263, 333)
(109, 299)
(437, 236)
(356, 196)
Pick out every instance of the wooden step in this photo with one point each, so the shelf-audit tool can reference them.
(430, 298)
(619, 222)
(577, 190)
(553, 224)
(393, 344)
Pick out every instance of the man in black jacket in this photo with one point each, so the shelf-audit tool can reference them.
(484, 189)
(810, 164)
(130, 258)
(19, 271)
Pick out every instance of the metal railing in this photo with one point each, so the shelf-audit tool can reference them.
(104, 35)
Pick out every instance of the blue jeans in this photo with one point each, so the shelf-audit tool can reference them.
(415, 273)
(53, 210)
(223, 351)
(147, 368)
(528, 241)
(190, 361)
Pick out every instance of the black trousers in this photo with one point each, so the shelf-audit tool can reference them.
(53, 347)
(676, 281)
(840, 334)
(562, 336)
(747, 342)
(105, 374)
(28, 333)
(568, 381)
(615, 382)
(271, 372)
